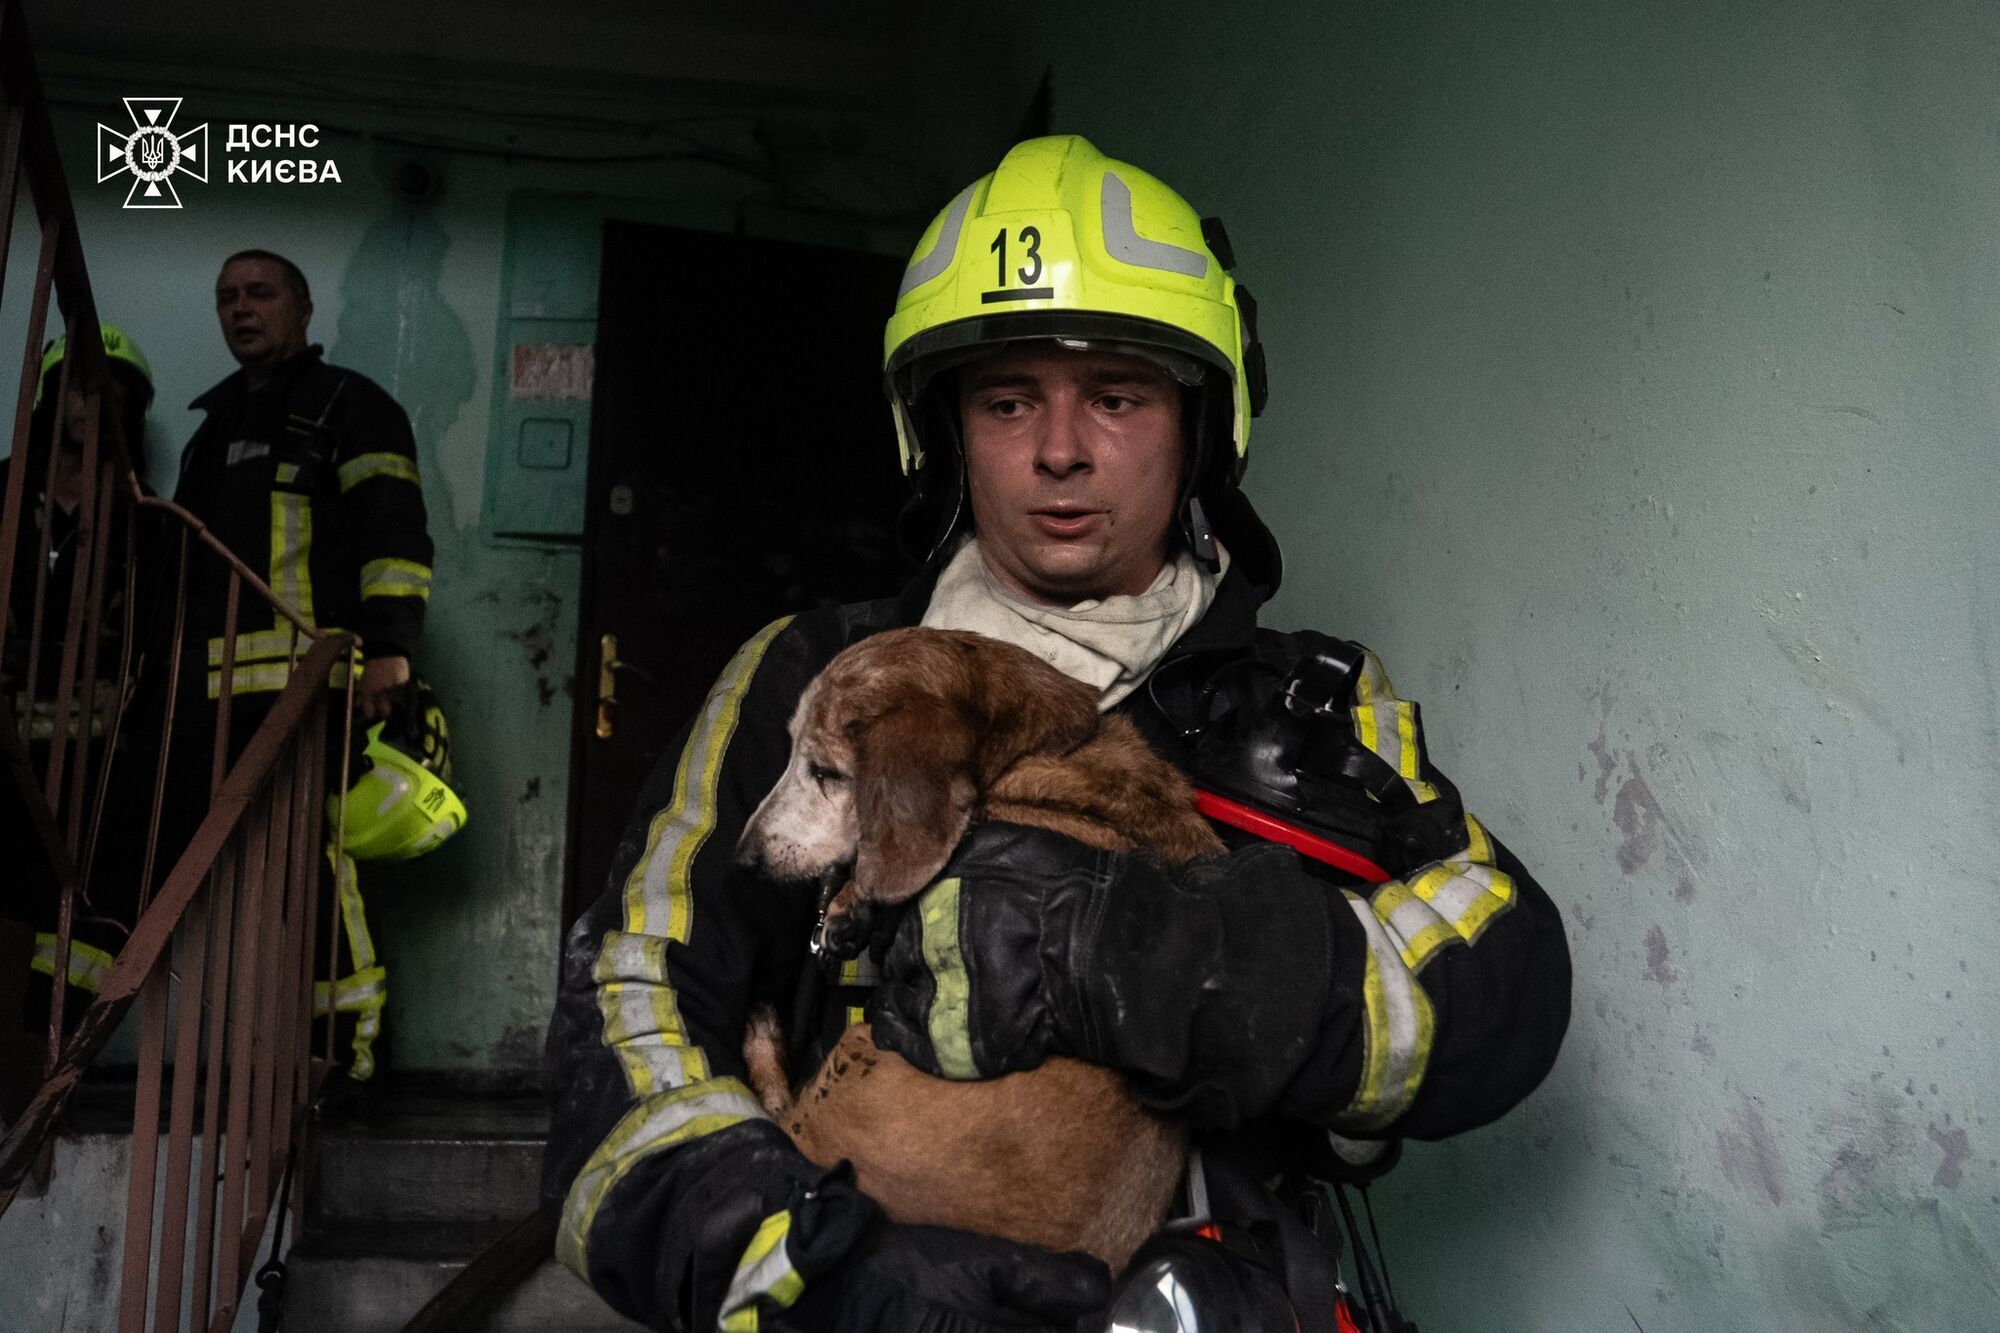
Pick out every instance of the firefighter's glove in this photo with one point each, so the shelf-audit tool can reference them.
(1208, 985)
(918, 1279)
(827, 1260)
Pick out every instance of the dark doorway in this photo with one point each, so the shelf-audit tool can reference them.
(742, 466)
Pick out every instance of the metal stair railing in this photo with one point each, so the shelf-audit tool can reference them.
(224, 949)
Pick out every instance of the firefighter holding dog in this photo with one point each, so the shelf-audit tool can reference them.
(1073, 374)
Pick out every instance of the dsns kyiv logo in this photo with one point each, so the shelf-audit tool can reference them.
(152, 152)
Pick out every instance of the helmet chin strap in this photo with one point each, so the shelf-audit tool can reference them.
(1199, 434)
(1200, 535)
(929, 480)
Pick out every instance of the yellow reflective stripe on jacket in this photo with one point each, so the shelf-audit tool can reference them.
(1408, 923)
(1389, 728)
(262, 677)
(1388, 725)
(364, 466)
(654, 1125)
(1466, 895)
(862, 971)
(260, 645)
(642, 1022)
(1413, 923)
(396, 578)
(1396, 1030)
(951, 1006)
(764, 1274)
(291, 551)
(88, 964)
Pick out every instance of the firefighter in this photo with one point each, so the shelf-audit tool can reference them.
(308, 472)
(108, 905)
(1073, 375)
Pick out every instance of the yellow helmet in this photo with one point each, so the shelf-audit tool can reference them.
(118, 346)
(402, 805)
(1060, 241)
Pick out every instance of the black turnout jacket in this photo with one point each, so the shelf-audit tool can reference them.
(1455, 999)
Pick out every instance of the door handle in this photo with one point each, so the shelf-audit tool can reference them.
(608, 667)
(607, 686)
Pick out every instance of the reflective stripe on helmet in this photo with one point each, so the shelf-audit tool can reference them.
(944, 248)
(1124, 242)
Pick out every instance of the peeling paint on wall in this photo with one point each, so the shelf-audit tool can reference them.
(1749, 1154)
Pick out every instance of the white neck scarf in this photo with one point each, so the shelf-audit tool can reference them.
(1111, 645)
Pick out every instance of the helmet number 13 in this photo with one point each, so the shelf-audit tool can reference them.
(1031, 239)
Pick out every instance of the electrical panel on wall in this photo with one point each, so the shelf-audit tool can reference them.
(538, 452)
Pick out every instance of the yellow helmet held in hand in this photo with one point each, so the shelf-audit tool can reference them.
(1061, 242)
(402, 804)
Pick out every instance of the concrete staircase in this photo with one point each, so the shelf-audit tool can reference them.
(406, 1191)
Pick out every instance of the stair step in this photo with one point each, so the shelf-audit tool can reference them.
(424, 1180)
(450, 1241)
(430, 1159)
(332, 1294)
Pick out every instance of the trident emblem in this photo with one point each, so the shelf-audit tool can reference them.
(152, 152)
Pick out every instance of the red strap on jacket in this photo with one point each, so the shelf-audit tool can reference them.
(1237, 815)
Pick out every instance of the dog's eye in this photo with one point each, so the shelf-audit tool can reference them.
(823, 775)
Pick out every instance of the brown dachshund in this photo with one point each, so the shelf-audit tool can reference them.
(901, 744)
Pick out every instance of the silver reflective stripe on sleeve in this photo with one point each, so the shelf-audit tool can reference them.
(764, 1274)
(1396, 1031)
(654, 1125)
(642, 1022)
(356, 470)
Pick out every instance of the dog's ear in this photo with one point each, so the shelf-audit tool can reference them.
(1030, 708)
(913, 796)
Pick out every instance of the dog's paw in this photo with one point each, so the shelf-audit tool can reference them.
(764, 1057)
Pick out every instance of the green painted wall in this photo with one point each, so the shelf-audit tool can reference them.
(1635, 373)
(1635, 381)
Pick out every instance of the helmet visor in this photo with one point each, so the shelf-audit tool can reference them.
(923, 358)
